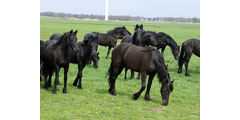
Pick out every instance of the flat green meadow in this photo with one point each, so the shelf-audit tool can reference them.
(94, 102)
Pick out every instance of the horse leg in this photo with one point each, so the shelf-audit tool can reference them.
(80, 79)
(181, 60)
(125, 76)
(50, 80)
(56, 79)
(187, 58)
(112, 78)
(138, 76)
(109, 49)
(76, 79)
(46, 82)
(132, 75)
(147, 94)
(143, 76)
(65, 78)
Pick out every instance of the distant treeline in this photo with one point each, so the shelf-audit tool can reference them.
(121, 18)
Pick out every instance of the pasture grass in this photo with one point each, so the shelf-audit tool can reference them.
(94, 102)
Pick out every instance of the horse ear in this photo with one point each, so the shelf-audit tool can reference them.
(141, 26)
(172, 81)
(124, 27)
(71, 31)
(98, 53)
(76, 32)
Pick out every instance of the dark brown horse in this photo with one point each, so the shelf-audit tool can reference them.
(110, 39)
(188, 47)
(146, 60)
(56, 56)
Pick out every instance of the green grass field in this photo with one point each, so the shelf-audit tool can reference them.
(94, 102)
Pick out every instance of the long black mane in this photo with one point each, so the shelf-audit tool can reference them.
(167, 39)
(60, 40)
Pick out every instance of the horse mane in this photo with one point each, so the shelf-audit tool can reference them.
(162, 74)
(165, 35)
(60, 41)
(170, 41)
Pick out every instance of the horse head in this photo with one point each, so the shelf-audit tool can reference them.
(137, 36)
(71, 39)
(167, 84)
(92, 41)
(120, 32)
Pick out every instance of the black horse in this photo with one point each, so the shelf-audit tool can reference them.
(110, 39)
(128, 38)
(146, 60)
(56, 56)
(94, 57)
(87, 48)
(188, 47)
(41, 58)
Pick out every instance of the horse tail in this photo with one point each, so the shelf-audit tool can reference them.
(180, 60)
(110, 72)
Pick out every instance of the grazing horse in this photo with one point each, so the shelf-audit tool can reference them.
(56, 56)
(188, 47)
(87, 48)
(146, 60)
(110, 39)
(163, 40)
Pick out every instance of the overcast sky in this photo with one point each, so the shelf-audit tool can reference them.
(145, 8)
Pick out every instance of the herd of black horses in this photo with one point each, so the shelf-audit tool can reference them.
(136, 52)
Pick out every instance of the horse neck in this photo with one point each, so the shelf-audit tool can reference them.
(171, 43)
(162, 75)
(113, 34)
(65, 48)
(137, 37)
(86, 51)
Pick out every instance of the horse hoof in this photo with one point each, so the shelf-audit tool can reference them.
(112, 93)
(80, 88)
(75, 85)
(54, 92)
(131, 78)
(179, 72)
(135, 96)
(147, 99)
(187, 74)
(64, 91)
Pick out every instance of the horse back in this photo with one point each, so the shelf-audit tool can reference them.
(133, 57)
(106, 40)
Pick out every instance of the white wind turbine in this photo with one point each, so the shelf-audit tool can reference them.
(106, 11)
